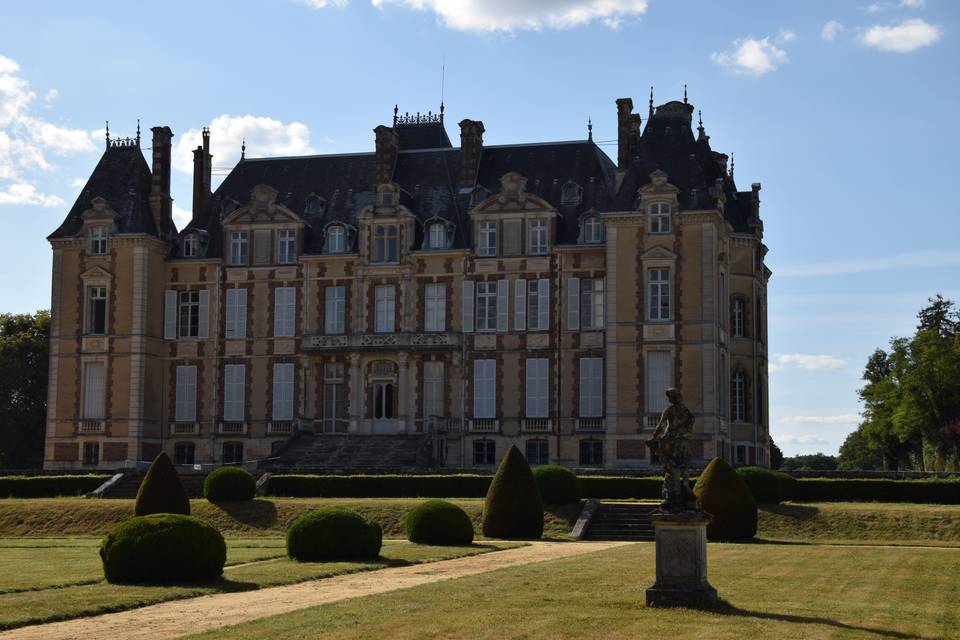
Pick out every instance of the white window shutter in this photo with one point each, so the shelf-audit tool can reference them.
(279, 310)
(203, 329)
(241, 317)
(170, 314)
(503, 296)
(467, 303)
(543, 305)
(520, 304)
(573, 304)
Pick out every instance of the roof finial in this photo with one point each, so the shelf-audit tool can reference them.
(443, 84)
(138, 132)
(651, 104)
(108, 134)
(701, 134)
(731, 166)
(684, 93)
(589, 129)
(396, 108)
(243, 149)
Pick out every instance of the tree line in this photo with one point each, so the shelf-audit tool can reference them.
(24, 358)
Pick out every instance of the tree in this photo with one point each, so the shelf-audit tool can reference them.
(776, 456)
(816, 461)
(856, 453)
(24, 359)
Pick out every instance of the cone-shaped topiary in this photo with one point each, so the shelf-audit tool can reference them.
(229, 484)
(725, 496)
(163, 547)
(513, 508)
(333, 533)
(438, 522)
(161, 490)
(558, 485)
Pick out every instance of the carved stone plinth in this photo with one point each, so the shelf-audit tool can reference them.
(681, 557)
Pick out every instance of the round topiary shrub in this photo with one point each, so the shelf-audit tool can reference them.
(557, 485)
(333, 533)
(229, 484)
(438, 522)
(513, 508)
(163, 547)
(725, 496)
(161, 490)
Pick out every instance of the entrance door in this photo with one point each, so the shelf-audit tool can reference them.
(384, 402)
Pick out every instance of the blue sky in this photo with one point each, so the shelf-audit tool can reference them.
(846, 112)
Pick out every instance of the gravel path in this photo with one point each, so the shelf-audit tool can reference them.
(184, 617)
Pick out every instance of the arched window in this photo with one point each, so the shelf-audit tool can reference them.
(738, 407)
(592, 230)
(385, 244)
(658, 215)
(437, 236)
(336, 239)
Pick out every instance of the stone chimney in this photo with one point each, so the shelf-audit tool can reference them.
(202, 171)
(471, 146)
(388, 145)
(161, 203)
(624, 132)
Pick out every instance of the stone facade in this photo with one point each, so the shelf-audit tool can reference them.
(480, 295)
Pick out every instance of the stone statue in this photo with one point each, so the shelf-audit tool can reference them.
(669, 443)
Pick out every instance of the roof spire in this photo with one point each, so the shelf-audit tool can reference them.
(396, 108)
(138, 132)
(731, 167)
(684, 93)
(108, 134)
(701, 133)
(243, 149)
(651, 104)
(589, 129)
(443, 84)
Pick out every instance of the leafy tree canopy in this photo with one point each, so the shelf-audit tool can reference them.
(24, 355)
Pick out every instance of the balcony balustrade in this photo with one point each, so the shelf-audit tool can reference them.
(383, 341)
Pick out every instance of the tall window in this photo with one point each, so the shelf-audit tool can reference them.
(486, 306)
(93, 391)
(336, 239)
(538, 304)
(335, 310)
(98, 241)
(234, 391)
(484, 452)
(737, 397)
(286, 246)
(484, 389)
(284, 311)
(190, 246)
(537, 388)
(591, 452)
(435, 311)
(658, 287)
(385, 244)
(591, 387)
(737, 311)
(283, 391)
(232, 452)
(487, 240)
(591, 304)
(186, 394)
(659, 217)
(537, 237)
(91, 452)
(96, 310)
(239, 248)
(537, 452)
(236, 320)
(189, 316)
(593, 230)
(385, 308)
(438, 236)
(659, 378)
(432, 388)
(334, 399)
(183, 453)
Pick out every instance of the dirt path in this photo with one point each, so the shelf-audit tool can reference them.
(184, 617)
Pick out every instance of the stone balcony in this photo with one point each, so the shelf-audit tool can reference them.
(419, 341)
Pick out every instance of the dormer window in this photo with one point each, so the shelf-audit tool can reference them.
(98, 241)
(592, 230)
(336, 239)
(286, 246)
(658, 215)
(437, 236)
(387, 195)
(190, 246)
(385, 243)
(572, 194)
(314, 205)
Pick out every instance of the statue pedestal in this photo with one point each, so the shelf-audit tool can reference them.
(681, 542)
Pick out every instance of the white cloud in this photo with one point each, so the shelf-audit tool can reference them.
(905, 37)
(78, 183)
(264, 136)
(50, 96)
(181, 216)
(8, 66)
(751, 56)
(512, 15)
(785, 36)
(801, 439)
(875, 7)
(911, 260)
(321, 4)
(831, 30)
(913, 4)
(60, 140)
(806, 362)
(27, 194)
(844, 419)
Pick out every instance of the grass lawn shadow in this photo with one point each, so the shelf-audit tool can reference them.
(260, 514)
(794, 511)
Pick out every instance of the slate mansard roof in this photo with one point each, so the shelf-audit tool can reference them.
(428, 171)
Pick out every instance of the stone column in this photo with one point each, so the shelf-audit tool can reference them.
(681, 556)
(403, 390)
(356, 393)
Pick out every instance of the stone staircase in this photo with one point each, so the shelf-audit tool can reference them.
(621, 521)
(129, 484)
(351, 453)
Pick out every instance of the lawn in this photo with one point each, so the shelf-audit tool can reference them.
(770, 591)
(46, 579)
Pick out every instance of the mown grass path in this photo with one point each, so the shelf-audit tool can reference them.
(207, 613)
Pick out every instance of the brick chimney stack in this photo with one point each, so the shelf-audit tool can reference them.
(160, 201)
(471, 146)
(388, 146)
(625, 135)
(202, 172)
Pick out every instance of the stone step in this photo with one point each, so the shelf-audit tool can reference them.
(619, 521)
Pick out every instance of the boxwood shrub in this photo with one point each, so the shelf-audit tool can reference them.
(558, 485)
(49, 486)
(229, 484)
(513, 508)
(161, 490)
(380, 486)
(163, 547)
(438, 522)
(724, 495)
(620, 488)
(877, 490)
(768, 487)
(333, 533)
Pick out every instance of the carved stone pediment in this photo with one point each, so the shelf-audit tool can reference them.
(99, 211)
(262, 208)
(513, 196)
(96, 273)
(659, 185)
(658, 253)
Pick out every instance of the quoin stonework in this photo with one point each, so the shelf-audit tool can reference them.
(455, 300)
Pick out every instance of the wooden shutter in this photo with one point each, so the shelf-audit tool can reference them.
(512, 237)
(543, 304)
(170, 314)
(520, 304)
(503, 296)
(283, 391)
(203, 328)
(659, 379)
(186, 399)
(573, 304)
(467, 304)
(93, 391)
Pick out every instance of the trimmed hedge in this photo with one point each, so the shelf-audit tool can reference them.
(621, 488)
(161, 490)
(857, 490)
(333, 533)
(558, 485)
(513, 508)
(438, 522)
(229, 484)
(163, 547)
(768, 487)
(49, 486)
(724, 495)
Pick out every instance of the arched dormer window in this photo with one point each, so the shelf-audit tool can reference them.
(658, 217)
(571, 194)
(335, 239)
(438, 234)
(314, 206)
(591, 232)
(191, 246)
